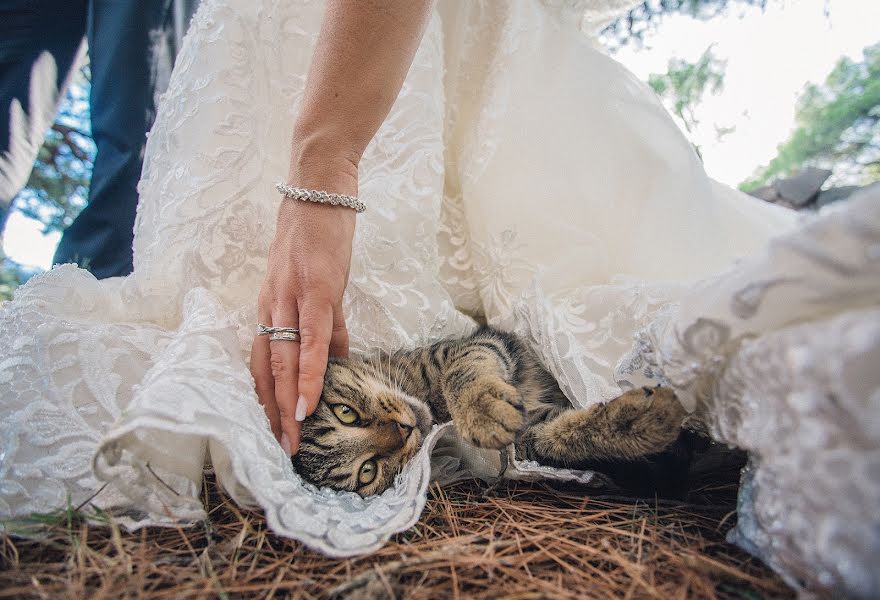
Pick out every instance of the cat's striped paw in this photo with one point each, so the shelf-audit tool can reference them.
(489, 414)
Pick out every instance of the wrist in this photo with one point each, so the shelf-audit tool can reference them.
(320, 161)
(321, 223)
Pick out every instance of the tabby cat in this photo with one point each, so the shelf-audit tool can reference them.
(374, 414)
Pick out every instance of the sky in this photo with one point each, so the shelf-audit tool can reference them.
(24, 242)
(771, 56)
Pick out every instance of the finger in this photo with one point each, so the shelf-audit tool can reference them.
(339, 335)
(284, 359)
(316, 326)
(295, 433)
(261, 371)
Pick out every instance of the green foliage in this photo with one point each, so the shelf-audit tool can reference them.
(632, 27)
(66, 520)
(11, 276)
(59, 183)
(838, 126)
(684, 85)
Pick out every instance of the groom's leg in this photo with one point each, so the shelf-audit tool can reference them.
(122, 36)
(39, 44)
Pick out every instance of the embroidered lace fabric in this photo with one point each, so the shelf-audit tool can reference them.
(561, 203)
(780, 354)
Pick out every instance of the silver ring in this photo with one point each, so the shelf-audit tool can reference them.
(285, 336)
(267, 330)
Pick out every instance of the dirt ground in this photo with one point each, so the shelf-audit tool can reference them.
(518, 541)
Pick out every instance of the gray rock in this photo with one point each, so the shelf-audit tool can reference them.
(768, 193)
(801, 189)
(835, 194)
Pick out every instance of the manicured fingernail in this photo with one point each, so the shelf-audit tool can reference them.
(285, 443)
(301, 407)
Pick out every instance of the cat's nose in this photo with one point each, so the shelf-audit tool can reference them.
(405, 431)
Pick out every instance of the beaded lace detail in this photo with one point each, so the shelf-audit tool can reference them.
(561, 203)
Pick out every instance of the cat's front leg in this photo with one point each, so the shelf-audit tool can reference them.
(487, 411)
(636, 424)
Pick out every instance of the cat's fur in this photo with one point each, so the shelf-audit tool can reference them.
(494, 390)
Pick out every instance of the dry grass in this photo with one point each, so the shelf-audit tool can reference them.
(522, 541)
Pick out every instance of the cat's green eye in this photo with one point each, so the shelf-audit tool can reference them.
(368, 472)
(345, 413)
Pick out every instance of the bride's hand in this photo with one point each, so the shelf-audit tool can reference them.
(307, 272)
(360, 60)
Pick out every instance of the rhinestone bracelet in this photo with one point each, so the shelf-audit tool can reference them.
(288, 191)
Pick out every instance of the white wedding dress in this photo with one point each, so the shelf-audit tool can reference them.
(523, 176)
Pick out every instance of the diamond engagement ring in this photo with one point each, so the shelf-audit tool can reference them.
(287, 334)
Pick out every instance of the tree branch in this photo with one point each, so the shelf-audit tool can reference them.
(67, 133)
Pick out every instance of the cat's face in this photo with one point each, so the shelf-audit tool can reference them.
(363, 431)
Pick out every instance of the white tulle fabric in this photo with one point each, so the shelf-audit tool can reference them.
(522, 176)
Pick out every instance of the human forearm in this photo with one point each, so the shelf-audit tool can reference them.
(363, 53)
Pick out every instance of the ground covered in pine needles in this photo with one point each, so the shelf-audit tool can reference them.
(517, 540)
